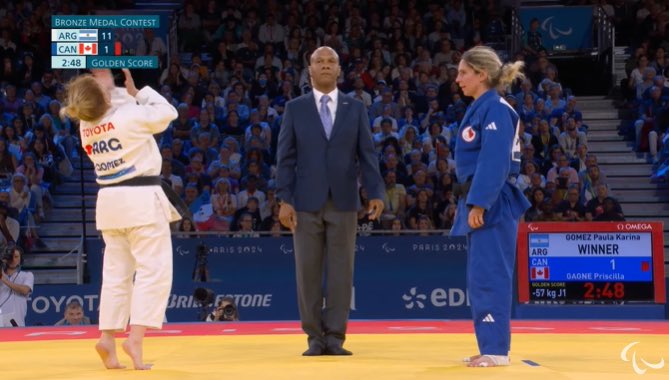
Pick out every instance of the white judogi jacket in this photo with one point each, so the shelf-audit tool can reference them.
(121, 146)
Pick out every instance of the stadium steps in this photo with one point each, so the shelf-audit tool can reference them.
(63, 244)
(65, 201)
(609, 146)
(75, 188)
(66, 215)
(51, 260)
(659, 209)
(627, 171)
(600, 118)
(624, 183)
(89, 176)
(603, 136)
(625, 168)
(65, 229)
(54, 276)
(621, 54)
(642, 196)
(62, 230)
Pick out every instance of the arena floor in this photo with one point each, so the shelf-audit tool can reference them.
(543, 350)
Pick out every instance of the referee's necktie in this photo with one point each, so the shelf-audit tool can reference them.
(326, 115)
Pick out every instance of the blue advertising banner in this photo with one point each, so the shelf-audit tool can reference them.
(411, 277)
(395, 278)
(561, 28)
(261, 302)
(228, 260)
(46, 304)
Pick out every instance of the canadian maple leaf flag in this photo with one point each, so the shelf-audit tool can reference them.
(88, 48)
(539, 273)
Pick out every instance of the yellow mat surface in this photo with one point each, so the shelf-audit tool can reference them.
(376, 356)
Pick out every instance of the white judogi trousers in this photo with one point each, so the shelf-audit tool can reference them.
(145, 252)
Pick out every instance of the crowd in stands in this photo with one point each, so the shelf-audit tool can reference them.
(240, 62)
(36, 143)
(646, 87)
(400, 59)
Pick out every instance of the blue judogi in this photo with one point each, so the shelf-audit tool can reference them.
(487, 153)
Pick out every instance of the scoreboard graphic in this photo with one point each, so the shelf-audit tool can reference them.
(92, 42)
(591, 263)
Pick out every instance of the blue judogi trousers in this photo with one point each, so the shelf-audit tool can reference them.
(490, 262)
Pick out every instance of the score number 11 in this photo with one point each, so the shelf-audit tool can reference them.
(106, 38)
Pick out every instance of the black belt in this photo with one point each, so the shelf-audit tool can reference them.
(137, 181)
(172, 196)
(461, 189)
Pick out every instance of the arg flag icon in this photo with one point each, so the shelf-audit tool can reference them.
(539, 241)
(88, 35)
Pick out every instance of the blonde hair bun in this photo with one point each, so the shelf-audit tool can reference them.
(85, 99)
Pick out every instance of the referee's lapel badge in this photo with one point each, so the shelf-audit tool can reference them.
(468, 134)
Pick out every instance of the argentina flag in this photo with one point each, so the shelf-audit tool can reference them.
(538, 240)
(88, 35)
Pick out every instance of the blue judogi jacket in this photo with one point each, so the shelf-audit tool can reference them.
(487, 153)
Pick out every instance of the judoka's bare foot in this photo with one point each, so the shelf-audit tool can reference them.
(107, 351)
(470, 359)
(134, 349)
(490, 361)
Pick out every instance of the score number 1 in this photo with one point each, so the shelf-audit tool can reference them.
(613, 264)
(106, 38)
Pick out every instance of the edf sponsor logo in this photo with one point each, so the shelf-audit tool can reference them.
(438, 297)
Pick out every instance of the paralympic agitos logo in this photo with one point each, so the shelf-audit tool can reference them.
(553, 30)
(639, 369)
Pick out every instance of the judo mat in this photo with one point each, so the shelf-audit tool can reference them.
(542, 350)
